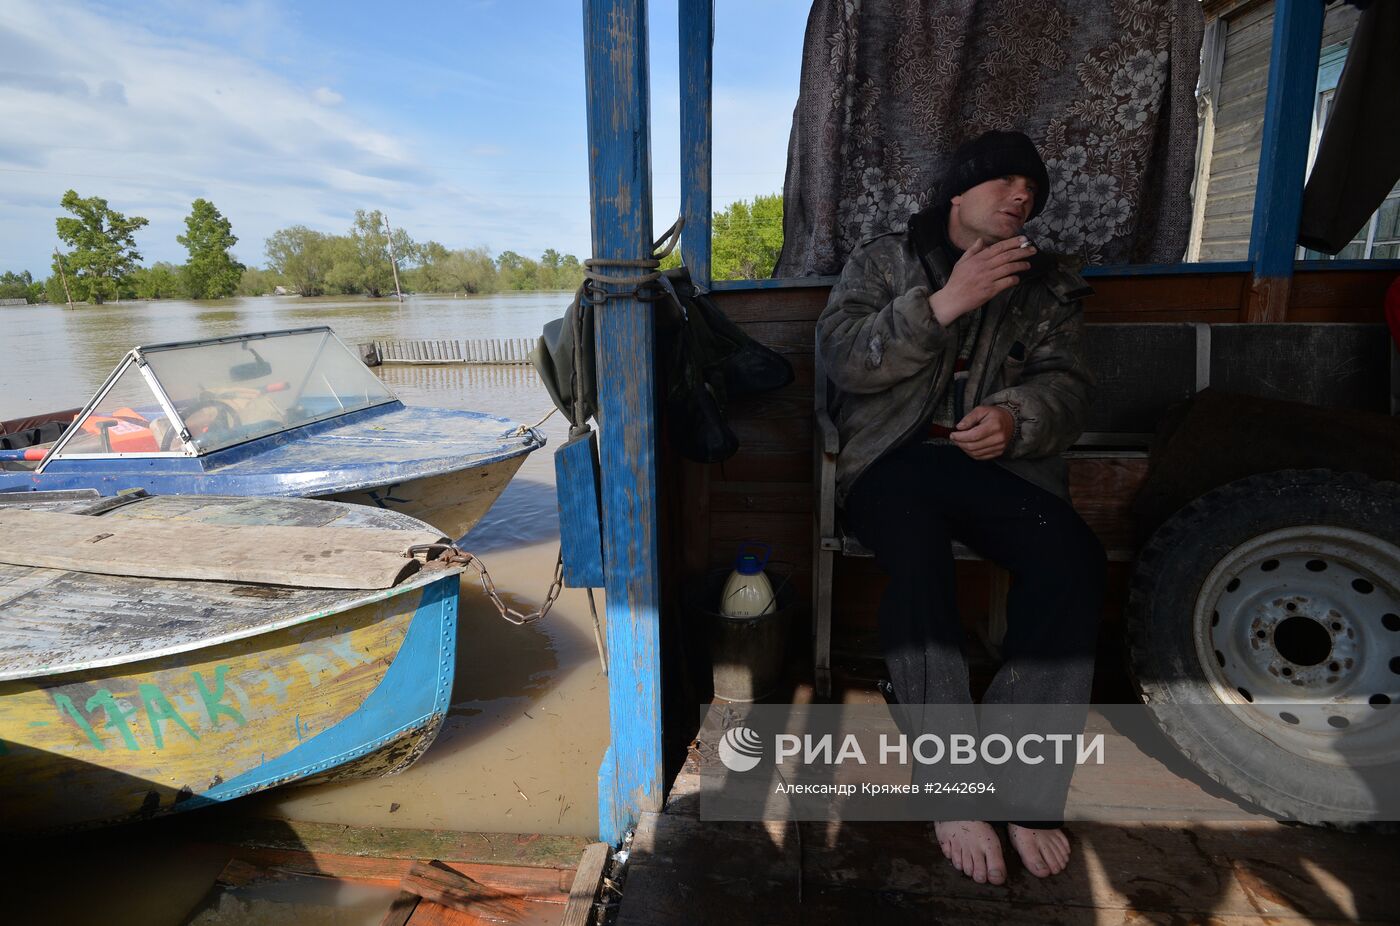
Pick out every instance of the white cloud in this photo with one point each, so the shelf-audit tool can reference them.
(327, 97)
(102, 104)
(111, 91)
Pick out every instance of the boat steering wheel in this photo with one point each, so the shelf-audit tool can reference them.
(168, 437)
(223, 418)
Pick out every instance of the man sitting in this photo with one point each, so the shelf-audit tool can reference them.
(955, 352)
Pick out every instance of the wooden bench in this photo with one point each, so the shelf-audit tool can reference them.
(1142, 369)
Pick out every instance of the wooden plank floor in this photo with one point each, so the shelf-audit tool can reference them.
(217, 866)
(298, 893)
(685, 871)
(525, 880)
(1250, 870)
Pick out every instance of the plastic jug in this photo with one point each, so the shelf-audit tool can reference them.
(747, 592)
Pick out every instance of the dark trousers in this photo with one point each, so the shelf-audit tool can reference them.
(907, 508)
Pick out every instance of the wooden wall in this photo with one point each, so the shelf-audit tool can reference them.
(1239, 120)
(764, 492)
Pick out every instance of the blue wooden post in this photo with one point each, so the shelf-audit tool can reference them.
(619, 156)
(1278, 196)
(697, 37)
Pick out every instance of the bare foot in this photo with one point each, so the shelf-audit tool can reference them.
(973, 848)
(1044, 852)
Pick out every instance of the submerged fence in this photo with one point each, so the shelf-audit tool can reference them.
(457, 350)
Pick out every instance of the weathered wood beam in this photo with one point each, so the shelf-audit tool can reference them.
(619, 155)
(697, 38)
(578, 911)
(448, 888)
(387, 842)
(1278, 198)
(535, 885)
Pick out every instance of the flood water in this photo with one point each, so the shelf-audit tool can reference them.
(528, 724)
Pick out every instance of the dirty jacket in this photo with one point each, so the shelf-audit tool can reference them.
(890, 361)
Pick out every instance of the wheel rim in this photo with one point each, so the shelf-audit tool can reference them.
(1299, 630)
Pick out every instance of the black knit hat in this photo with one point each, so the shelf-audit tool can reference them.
(991, 155)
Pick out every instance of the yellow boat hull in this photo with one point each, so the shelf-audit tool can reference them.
(363, 689)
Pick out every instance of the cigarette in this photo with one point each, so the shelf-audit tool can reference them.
(1026, 242)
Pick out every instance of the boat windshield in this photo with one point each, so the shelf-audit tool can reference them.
(127, 418)
(225, 392)
(231, 391)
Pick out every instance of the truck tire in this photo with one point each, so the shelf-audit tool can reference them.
(1264, 636)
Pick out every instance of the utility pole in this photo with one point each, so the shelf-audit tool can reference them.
(393, 261)
(58, 258)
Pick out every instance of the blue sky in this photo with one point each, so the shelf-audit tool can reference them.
(464, 121)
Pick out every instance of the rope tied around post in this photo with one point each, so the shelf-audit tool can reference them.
(593, 281)
(593, 292)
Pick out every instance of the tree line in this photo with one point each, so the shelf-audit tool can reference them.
(101, 260)
(313, 263)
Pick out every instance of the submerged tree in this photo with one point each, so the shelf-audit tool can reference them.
(103, 246)
(20, 286)
(559, 271)
(517, 272)
(211, 272)
(440, 270)
(313, 263)
(362, 259)
(302, 257)
(159, 281)
(256, 281)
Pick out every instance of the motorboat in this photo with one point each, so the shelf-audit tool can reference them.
(278, 413)
(159, 654)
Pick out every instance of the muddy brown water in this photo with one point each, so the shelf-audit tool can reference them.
(528, 724)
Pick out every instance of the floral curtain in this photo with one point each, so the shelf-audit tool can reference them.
(1105, 88)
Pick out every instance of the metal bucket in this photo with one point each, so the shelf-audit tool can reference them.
(746, 653)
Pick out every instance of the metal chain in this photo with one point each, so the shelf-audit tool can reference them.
(452, 555)
(593, 292)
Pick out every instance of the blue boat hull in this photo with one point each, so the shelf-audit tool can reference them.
(442, 466)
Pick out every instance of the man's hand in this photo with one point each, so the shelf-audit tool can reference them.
(985, 432)
(981, 273)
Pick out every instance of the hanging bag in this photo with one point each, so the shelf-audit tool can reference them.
(706, 362)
